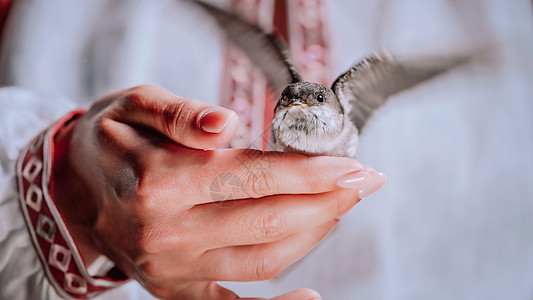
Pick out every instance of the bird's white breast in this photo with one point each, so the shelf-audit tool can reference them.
(313, 130)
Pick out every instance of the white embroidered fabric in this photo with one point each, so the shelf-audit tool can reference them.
(454, 220)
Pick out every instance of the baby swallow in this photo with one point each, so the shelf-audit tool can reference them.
(314, 119)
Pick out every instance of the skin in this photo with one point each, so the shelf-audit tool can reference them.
(134, 182)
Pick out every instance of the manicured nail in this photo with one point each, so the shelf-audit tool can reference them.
(358, 179)
(214, 121)
(378, 180)
(367, 182)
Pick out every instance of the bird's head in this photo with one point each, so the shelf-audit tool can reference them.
(307, 94)
(308, 117)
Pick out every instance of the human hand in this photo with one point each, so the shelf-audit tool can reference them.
(143, 198)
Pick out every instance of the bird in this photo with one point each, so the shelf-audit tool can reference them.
(314, 119)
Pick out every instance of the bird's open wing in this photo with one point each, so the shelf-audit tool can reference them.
(368, 84)
(265, 50)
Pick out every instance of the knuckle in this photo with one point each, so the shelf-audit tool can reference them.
(104, 130)
(151, 192)
(155, 270)
(178, 116)
(173, 116)
(148, 198)
(144, 88)
(142, 201)
(157, 239)
(259, 184)
(270, 226)
(266, 267)
(155, 236)
(139, 96)
(149, 271)
(134, 98)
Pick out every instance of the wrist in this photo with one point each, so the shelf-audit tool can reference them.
(71, 196)
(52, 239)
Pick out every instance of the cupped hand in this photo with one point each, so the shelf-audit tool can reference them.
(137, 186)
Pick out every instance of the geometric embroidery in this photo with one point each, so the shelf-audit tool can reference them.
(32, 169)
(46, 228)
(64, 266)
(59, 257)
(244, 87)
(309, 40)
(34, 197)
(74, 284)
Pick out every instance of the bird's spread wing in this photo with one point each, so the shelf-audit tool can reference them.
(368, 84)
(265, 50)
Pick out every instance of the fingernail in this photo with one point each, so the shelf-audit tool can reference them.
(378, 180)
(367, 182)
(214, 121)
(356, 179)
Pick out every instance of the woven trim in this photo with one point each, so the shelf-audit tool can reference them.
(61, 260)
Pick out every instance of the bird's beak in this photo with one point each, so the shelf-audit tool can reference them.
(298, 103)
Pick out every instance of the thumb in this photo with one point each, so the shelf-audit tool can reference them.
(189, 122)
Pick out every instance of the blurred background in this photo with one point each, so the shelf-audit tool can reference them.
(454, 220)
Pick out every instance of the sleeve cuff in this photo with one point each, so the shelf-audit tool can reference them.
(61, 260)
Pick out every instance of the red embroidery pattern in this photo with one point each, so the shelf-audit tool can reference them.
(243, 85)
(244, 88)
(61, 260)
(310, 45)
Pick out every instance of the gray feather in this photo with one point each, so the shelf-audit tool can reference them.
(361, 90)
(368, 84)
(266, 51)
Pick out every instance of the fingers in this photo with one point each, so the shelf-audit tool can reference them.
(259, 262)
(228, 174)
(239, 263)
(213, 291)
(191, 291)
(246, 173)
(221, 293)
(189, 122)
(265, 220)
(300, 294)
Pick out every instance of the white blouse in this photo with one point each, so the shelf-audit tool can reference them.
(454, 220)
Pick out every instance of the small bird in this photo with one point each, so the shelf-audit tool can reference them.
(313, 119)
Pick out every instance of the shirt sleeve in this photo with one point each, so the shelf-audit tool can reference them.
(22, 116)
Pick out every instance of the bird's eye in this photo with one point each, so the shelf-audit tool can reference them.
(320, 97)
